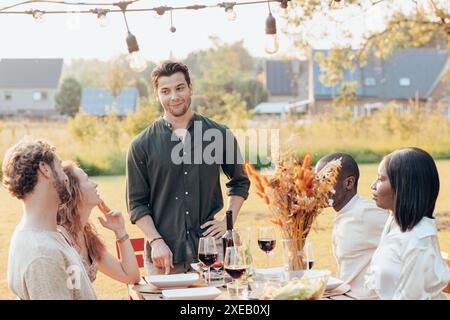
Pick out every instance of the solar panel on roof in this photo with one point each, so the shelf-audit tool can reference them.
(98, 101)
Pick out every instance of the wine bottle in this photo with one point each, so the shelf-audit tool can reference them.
(227, 238)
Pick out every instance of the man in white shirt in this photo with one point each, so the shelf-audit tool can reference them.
(41, 265)
(357, 228)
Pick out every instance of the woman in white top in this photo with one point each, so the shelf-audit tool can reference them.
(407, 263)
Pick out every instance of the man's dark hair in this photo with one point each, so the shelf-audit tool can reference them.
(415, 181)
(168, 68)
(349, 166)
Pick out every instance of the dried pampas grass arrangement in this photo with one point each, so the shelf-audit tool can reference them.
(295, 195)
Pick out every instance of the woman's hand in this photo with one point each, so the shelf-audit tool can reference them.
(113, 220)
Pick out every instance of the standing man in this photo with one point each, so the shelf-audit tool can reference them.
(41, 263)
(173, 187)
(357, 226)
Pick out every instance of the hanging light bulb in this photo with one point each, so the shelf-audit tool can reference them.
(38, 15)
(103, 19)
(271, 46)
(135, 60)
(283, 6)
(231, 14)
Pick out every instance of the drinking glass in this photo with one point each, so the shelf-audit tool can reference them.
(207, 253)
(267, 241)
(235, 263)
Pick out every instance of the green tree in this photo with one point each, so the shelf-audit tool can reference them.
(142, 87)
(88, 72)
(147, 113)
(83, 127)
(227, 108)
(68, 98)
(117, 76)
(252, 91)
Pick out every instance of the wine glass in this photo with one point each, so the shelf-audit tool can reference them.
(235, 263)
(207, 253)
(309, 255)
(267, 240)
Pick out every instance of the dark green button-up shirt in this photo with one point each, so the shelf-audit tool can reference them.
(177, 185)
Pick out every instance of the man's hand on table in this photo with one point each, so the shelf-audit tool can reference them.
(162, 257)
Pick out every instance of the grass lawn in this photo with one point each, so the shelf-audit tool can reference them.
(253, 214)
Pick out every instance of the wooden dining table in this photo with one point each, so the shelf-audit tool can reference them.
(147, 291)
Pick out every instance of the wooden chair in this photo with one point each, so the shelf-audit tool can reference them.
(138, 247)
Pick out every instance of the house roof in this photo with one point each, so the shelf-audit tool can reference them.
(279, 77)
(99, 101)
(30, 73)
(403, 74)
(272, 107)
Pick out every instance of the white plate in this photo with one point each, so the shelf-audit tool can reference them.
(205, 293)
(270, 272)
(173, 280)
(333, 283)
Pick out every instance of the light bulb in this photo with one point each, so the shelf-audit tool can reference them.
(337, 4)
(271, 43)
(38, 16)
(231, 14)
(271, 35)
(103, 20)
(137, 62)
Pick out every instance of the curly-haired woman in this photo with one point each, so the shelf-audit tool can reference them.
(73, 223)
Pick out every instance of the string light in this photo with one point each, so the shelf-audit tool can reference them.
(159, 11)
(137, 63)
(38, 15)
(102, 17)
(229, 10)
(135, 60)
(271, 46)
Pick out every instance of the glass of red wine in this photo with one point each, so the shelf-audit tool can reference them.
(267, 240)
(235, 263)
(207, 253)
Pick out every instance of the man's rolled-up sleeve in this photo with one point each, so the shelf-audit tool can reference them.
(138, 187)
(239, 183)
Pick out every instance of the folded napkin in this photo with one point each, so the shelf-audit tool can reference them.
(338, 291)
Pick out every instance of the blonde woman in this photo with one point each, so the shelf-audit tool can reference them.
(74, 225)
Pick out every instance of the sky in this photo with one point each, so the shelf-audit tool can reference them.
(22, 37)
